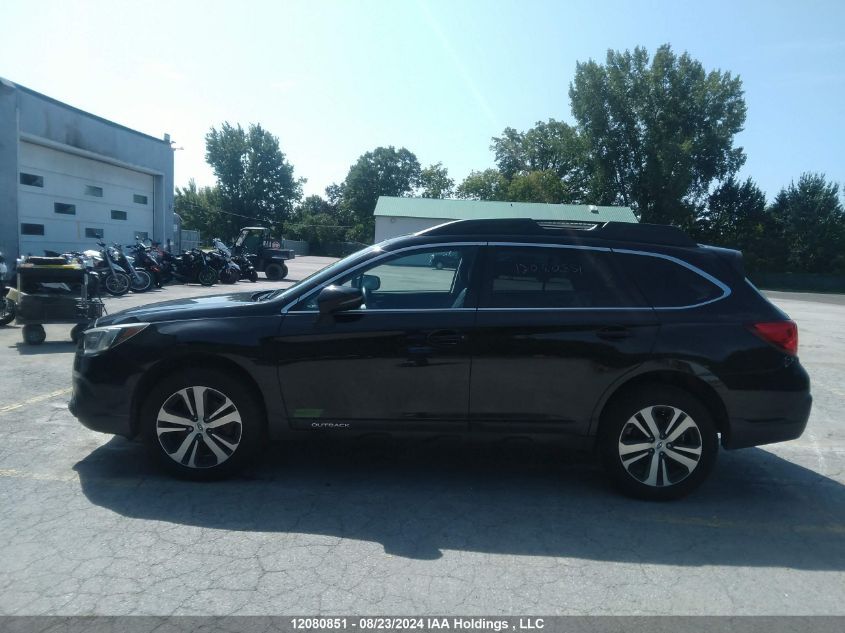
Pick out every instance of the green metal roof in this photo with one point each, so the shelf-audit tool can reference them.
(485, 210)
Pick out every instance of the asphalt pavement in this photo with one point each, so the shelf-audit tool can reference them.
(88, 526)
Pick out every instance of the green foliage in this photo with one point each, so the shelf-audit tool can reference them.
(483, 185)
(435, 182)
(538, 186)
(385, 171)
(255, 182)
(550, 149)
(659, 133)
(736, 217)
(812, 224)
(316, 221)
(201, 210)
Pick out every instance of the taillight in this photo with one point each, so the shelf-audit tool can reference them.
(781, 334)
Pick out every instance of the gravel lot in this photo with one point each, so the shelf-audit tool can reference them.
(88, 527)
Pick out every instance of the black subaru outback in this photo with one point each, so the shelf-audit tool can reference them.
(629, 339)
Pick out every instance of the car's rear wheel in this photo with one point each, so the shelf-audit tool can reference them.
(202, 424)
(658, 443)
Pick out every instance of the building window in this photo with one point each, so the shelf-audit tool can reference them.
(98, 233)
(118, 215)
(64, 209)
(91, 190)
(139, 199)
(32, 229)
(31, 180)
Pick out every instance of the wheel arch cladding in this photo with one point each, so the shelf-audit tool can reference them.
(688, 382)
(174, 365)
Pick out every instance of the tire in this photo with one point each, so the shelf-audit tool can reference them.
(143, 282)
(253, 276)
(658, 465)
(190, 449)
(276, 272)
(33, 334)
(117, 284)
(207, 276)
(229, 276)
(7, 311)
(76, 332)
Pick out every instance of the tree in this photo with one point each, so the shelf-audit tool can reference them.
(538, 186)
(812, 220)
(552, 148)
(736, 217)
(660, 134)
(385, 171)
(435, 182)
(255, 181)
(317, 221)
(483, 185)
(201, 210)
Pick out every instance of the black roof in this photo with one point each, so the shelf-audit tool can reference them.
(617, 231)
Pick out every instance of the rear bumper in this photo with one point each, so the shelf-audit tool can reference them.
(768, 417)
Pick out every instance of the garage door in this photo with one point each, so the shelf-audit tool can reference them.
(67, 202)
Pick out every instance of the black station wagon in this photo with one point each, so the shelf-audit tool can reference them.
(628, 339)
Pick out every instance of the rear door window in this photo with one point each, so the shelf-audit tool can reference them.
(552, 277)
(667, 283)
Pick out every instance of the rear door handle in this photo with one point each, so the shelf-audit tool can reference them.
(445, 337)
(614, 333)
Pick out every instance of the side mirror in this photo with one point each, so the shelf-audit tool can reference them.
(339, 298)
(370, 283)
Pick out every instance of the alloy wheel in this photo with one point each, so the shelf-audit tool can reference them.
(199, 427)
(660, 446)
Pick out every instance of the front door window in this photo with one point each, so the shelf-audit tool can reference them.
(413, 281)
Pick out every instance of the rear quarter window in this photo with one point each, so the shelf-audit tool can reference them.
(666, 283)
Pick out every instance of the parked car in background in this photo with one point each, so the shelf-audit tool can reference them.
(450, 259)
(630, 340)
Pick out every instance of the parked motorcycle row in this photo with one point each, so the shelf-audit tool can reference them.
(141, 267)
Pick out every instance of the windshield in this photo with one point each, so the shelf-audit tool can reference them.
(326, 273)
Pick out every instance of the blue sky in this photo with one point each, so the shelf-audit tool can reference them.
(333, 79)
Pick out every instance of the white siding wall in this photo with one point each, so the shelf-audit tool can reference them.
(390, 226)
(65, 178)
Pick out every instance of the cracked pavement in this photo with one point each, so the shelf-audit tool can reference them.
(88, 526)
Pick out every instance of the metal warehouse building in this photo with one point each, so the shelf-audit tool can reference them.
(400, 216)
(69, 178)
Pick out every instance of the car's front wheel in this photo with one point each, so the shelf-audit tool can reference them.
(658, 443)
(202, 424)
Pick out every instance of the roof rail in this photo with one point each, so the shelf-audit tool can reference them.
(618, 231)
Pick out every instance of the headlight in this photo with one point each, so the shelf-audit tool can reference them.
(99, 339)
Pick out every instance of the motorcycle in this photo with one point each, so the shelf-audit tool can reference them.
(189, 267)
(111, 276)
(7, 308)
(141, 280)
(221, 259)
(245, 266)
(148, 261)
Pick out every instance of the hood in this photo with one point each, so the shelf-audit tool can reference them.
(237, 304)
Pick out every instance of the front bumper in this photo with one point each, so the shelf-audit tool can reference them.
(101, 396)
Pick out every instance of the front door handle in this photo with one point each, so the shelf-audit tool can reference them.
(445, 337)
(614, 333)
